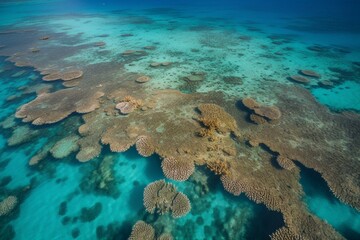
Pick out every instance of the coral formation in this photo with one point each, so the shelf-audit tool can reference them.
(180, 205)
(271, 113)
(163, 197)
(66, 76)
(178, 169)
(128, 105)
(257, 119)
(7, 205)
(215, 117)
(64, 147)
(145, 146)
(310, 73)
(261, 114)
(218, 167)
(250, 103)
(285, 162)
(125, 107)
(143, 79)
(22, 134)
(142, 231)
(299, 79)
(49, 108)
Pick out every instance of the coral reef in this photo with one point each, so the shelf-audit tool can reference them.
(163, 197)
(310, 73)
(7, 205)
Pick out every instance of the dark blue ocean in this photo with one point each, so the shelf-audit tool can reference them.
(179, 119)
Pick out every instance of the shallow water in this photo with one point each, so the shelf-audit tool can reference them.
(74, 160)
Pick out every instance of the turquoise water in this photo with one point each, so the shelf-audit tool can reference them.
(324, 204)
(214, 53)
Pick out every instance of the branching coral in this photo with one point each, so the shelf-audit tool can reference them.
(163, 197)
(218, 167)
(177, 169)
(7, 205)
(215, 117)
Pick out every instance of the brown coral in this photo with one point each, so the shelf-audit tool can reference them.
(145, 146)
(52, 77)
(218, 167)
(250, 103)
(52, 107)
(214, 116)
(232, 184)
(71, 75)
(163, 197)
(272, 113)
(143, 79)
(180, 205)
(142, 231)
(125, 107)
(177, 169)
(285, 162)
(257, 119)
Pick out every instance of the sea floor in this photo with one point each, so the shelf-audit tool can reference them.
(98, 104)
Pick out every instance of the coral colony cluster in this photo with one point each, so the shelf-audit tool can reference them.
(251, 136)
